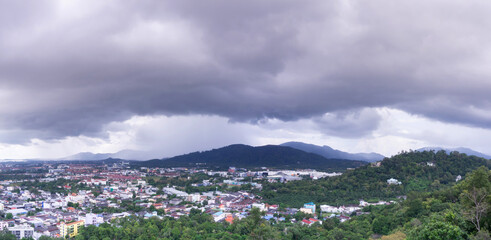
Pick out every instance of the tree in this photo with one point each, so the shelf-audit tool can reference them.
(255, 217)
(330, 223)
(436, 230)
(381, 225)
(415, 207)
(475, 196)
(44, 237)
(9, 216)
(477, 206)
(152, 208)
(263, 231)
(7, 236)
(395, 236)
(194, 211)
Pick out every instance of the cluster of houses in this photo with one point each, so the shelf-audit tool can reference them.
(34, 213)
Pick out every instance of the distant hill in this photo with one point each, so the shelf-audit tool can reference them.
(467, 151)
(251, 157)
(123, 154)
(331, 153)
(87, 156)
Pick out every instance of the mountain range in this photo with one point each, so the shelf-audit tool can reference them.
(331, 153)
(240, 155)
(123, 154)
(467, 151)
(325, 151)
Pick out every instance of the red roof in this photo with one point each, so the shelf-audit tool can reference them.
(230, 218)
(306, 221)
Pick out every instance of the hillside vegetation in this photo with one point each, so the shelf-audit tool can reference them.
(412, 169)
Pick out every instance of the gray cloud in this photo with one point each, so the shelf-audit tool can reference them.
(349, 124)
(68, 70)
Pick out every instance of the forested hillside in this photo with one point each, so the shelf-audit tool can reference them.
(417, 171)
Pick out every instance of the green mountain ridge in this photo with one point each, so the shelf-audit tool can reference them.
(240, 155)
(329, 152)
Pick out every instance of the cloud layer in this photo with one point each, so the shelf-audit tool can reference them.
(160, 136)
(69, 68)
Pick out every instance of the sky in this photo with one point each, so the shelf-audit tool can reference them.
(171, 77)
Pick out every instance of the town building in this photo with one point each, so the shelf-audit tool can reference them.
(22, 231)
(308, 208)
(70, 229)
(393, 181)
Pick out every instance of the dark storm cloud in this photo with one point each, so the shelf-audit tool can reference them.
(68, 67)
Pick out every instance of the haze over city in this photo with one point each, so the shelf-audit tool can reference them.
(171, 77)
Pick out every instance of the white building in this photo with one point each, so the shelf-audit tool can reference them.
(393, 181)
(329, 209)
(193, 198)
(261, 206)
(306, 210)
(46, 205)
(3, 225)
(141, 182)
(171, 191)
(218, 216)
(458, 178)
(16, 212)
(93, 219)
(22, 231)
(75, 199)
(341, 209)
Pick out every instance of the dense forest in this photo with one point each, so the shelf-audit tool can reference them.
(457, 212)
(417, 171)
(254, 157)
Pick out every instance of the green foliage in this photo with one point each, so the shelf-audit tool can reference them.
(381, 225)
(436, 230)
(415, 207)
(433, 215)
(395, 236)
(369, 182)
(7, 236)
(475, 197)
(44, 237)
(74, 205)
